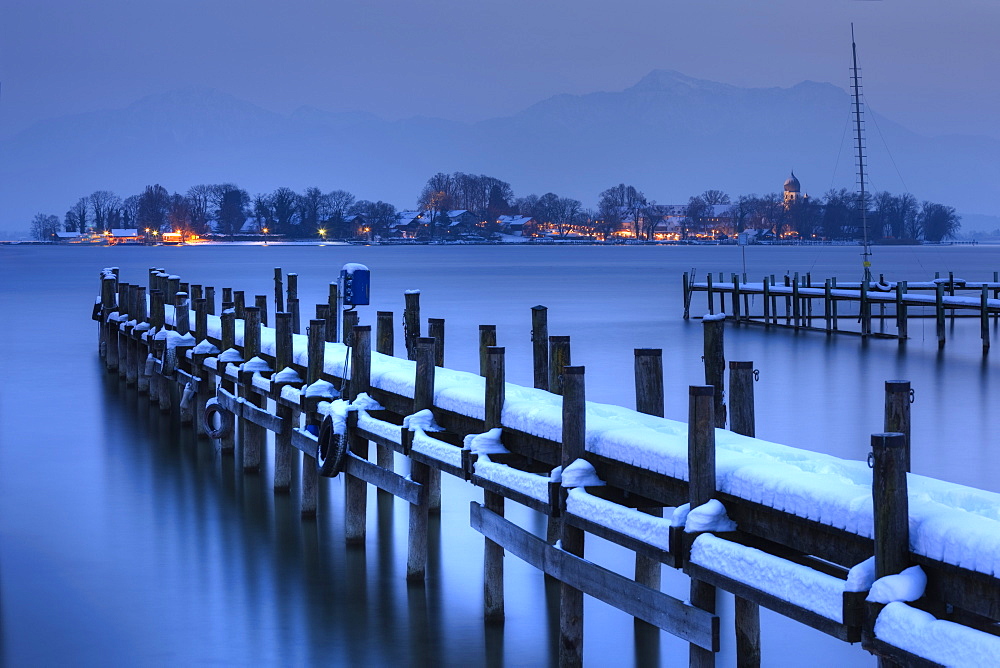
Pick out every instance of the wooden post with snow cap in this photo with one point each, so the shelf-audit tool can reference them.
(227, 321)
(487, 338)
(423, 397)
(649, 400)
(279, 298)
(897, 412)
(384, 345)
(715, 364)
(141, 379)
(741, 421)
(574, 431)
(314, 371)
(283, 439)
(333, 321)
(493, 596)
(108, 293)
(182, 313)
(701, 489)
(540, 346)
(559, 359)
(435, 330)
(411, 322)
(252, 436)
(356, 489)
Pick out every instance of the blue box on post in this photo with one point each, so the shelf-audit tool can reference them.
(355, 281)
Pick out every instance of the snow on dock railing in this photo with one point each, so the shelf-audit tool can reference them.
(950, 523)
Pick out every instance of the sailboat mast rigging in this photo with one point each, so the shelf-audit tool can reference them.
(862, 198)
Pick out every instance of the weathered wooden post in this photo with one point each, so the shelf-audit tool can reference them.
(411, 322)
(559, 359)
(833, 306)
(239, 304)
(209, 300)
(279, 303)
(435, 330)
(333, 322)
(385, 345)
(423, 397)
(108, 293)
(984, 319)
(788, 301)
(701, 485)
(827, 305)
(293, 302)
(200, 319)
(487, 338)
(715, 365)
(493, 598)
(182, 313)
(901, 319)
(540, 345)
(890, 503)
(314, 371)
(897, 411)
(260, 301)
(350, 321)
(796, 305)
(737, 316)
(741, 421)
(142, 380)
(252, 436)
(767, 302)
(774, 303)
(939, 313)
(283, 439)
(687, 297)
(708, 290)
(866, 311)
(356, 489)
(574, 431)
(649, 400)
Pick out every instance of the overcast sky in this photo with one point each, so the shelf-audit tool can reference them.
(930, 64)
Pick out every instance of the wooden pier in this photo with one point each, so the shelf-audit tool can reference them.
(232, 378)
(799, 303)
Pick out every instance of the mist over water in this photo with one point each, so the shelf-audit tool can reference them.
(125, 540)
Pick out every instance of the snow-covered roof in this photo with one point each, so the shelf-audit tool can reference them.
(124, 232)
(514, 220)
(68, 235)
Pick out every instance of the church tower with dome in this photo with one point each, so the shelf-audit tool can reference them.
(793, 191)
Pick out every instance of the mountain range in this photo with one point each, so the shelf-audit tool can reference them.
(670, 135)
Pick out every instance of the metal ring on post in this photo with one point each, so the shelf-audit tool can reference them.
(331, 450)
(225, 421)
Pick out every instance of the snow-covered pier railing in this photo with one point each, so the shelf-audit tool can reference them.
(824, 307)
(856, 552)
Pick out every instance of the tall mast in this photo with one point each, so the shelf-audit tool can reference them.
(862, 200)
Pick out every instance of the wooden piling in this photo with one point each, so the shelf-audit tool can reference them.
(701, 489)
(939, 313)
(435, 330)
(350, 321)
(737, 315)
(493, 595)
(774, 303)
(715, 365)
(411, 322)
(984, 319)
(279, 303)
(540, 343)
(423, 397)
(142, 380)
(356, 489)
(314, 371)
(866, 310)
(260, 301)
(252, 436)
(796, 305)
(741, 421)
(897, 412)
(649, 400)
(228, 326)
(182, 313)
(227, 295)
(293, 302)
(385, 345)
(487, 338)
(239, 304)
(574, 430)
(767, 302)
(209, 300)
(711, 300)
(828, 305)
(283, 439)
(687, 297)
(890, 503)
(333, 322)
(559, 359)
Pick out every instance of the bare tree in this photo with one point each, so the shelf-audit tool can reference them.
(713, 197)
(76, 217)
(313, 209)
(179, 214)
(437, 197)
(627, 200)
(44, 226)
(102, 203)
(200, 199)
(152, 208)
(285, 205)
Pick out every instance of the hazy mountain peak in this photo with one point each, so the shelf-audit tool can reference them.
(671, 81)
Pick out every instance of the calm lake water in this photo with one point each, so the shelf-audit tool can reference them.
(126, 541)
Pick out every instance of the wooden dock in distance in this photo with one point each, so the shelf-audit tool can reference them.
(800, 304)
(234, 371)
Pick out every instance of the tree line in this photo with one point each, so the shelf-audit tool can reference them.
(622, 209)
